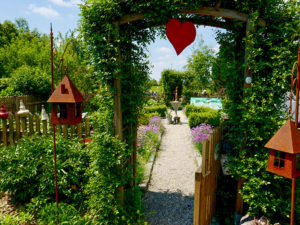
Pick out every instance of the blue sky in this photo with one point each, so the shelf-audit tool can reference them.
(64, 15)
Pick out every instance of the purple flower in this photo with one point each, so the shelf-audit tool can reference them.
(201, 133)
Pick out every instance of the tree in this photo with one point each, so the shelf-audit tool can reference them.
(200, 65)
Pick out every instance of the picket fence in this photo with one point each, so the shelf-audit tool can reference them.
(206, 178)
(16, 127)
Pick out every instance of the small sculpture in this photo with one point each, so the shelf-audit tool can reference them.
(44, 114)
(23, 111)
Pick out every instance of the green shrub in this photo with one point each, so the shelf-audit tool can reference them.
(144, 117)
(28, 80)
(108, 155)
(212, 118)
(26, 170)
(67, 215)
(159, 110)
(196, 109)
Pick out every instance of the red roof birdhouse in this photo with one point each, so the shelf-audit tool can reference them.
(3, 113)
(284, 158)
(66, 99)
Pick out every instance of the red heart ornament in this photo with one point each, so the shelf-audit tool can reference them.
(180, 34)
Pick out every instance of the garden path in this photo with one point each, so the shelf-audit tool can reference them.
(170, 196)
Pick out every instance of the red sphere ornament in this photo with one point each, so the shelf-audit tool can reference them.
(180, 34)
(3, 113)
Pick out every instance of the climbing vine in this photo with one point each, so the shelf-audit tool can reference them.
(118, 51)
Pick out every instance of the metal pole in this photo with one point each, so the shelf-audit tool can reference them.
(293, 201)
(53, 126)
(55, 174)
(51, 37)
(297, 125)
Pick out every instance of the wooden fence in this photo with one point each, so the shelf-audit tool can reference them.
(12, 103)
(206, 178)
(17, 127)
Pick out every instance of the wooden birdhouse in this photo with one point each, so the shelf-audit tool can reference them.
(284, 157)
(66, 103)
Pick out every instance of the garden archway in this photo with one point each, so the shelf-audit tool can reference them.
(118, 32)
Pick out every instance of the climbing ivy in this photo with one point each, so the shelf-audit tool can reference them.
(254, 113)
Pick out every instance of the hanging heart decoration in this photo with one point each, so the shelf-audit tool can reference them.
(180, 34)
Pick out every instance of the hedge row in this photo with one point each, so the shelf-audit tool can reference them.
(158, 110)
(196, 109)
(198, 115)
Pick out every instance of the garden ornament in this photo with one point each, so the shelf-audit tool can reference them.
(23, 111)
(44, 114)
(284, 157)
(3, 113)
(66, 100)
(180, 34)
(175, 104)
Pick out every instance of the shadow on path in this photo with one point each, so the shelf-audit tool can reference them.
(169, 208)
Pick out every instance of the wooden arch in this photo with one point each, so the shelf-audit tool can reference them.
(210, 16)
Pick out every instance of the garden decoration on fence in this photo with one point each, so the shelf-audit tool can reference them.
(180, 34)
(66, 107)
(3, 113)
(284, 158)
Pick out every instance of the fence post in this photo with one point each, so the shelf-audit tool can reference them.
(198, 176)
(45, 129)
(11, 129)
(87, 127)
(79, 130)
(65, 130)
(18, 129)
(37, 124)
(30, 124)
(4, 131)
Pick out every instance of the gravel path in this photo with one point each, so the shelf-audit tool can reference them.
(170, 196)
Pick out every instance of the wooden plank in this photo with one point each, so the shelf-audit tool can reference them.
(79, 130)
(23, 125)
(45, 126)
(18, 130)
(4, 131)
(31, 131)
(37, 124)
(87, 127)
(208, 11)
(198, 177)
(65, 130)
(72, 130)
(11, 129)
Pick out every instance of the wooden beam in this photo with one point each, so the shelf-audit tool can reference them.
(208, 11)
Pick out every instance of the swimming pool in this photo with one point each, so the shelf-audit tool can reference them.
(214, 103)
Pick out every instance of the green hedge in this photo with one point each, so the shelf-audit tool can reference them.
(210, 117)
(196, 109)
(160, 110)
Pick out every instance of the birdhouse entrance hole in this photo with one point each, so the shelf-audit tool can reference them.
(62, 111)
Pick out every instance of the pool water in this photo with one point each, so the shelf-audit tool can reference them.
(214, 103)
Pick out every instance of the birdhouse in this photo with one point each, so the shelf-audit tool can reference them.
(3, 113)
(284, 157)
(66, 103)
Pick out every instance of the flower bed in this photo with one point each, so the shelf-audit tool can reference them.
(149, 139)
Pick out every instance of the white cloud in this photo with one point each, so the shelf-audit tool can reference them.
(44, 11)
(163, 50)
(64, 3)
